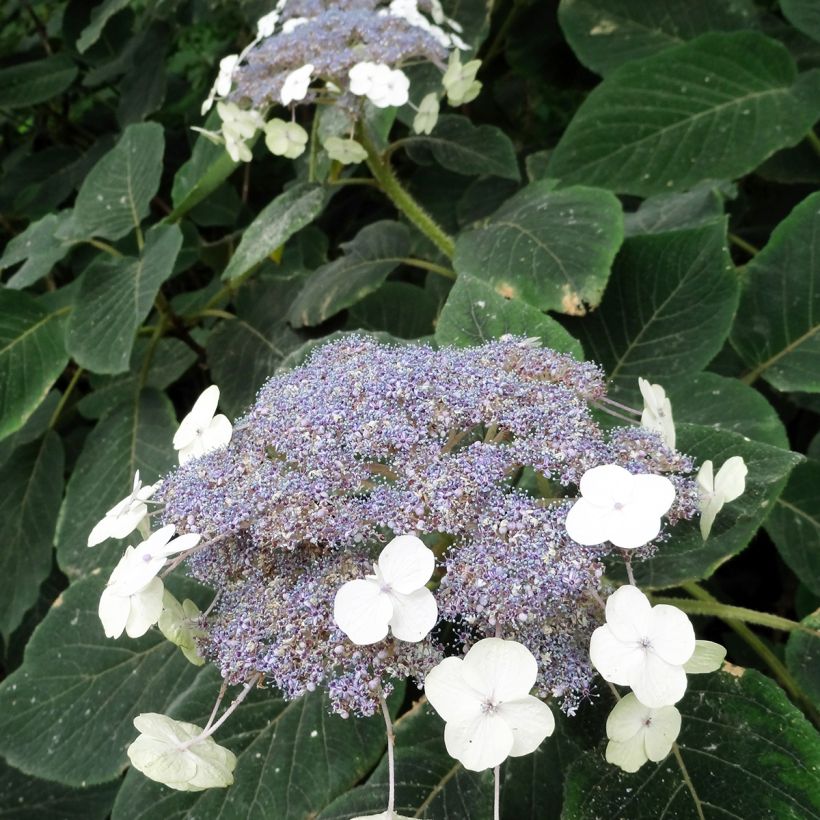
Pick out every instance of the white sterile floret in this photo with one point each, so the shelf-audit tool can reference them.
(382, 85)
(637, 733)
(238, 125)
(485, 701)
(201, 431)
(296, 84)
(395, 597)
(124, 517)
(290, 25)
(619, 507)
(346, 151)
(134, 612)
(266, 25)
(285, 139)
(427, 116)
(224, 80)
(177, 624)
(172, 752)
(643, 647)
(715, 491)
(459, 80)
(657, 412)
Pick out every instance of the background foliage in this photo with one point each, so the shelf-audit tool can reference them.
(636, 183)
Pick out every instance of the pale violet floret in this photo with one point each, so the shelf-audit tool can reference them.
(346, 151)
(395, 597)
(201, 431)
(296, 84)
(657, 412)
(427, 115)
(619, 507)
(485, 700)
(459, 80)
(717, 490)
(285, 139)
(382, 85)
(224, 80)
(643, 647)
(638, 733)
(178, 755)
(125, 516)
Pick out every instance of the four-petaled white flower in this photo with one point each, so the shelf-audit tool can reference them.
(643, 647)
(382, 85)
(485, 701)
(238, 126)
(638, 733)
(459, 80)
(295, 86)
(346, 151)
(427, 116)
(172, 752)
(124, 517)
(395, 597)
(266, 25)
(285, 139)
(620, 507)
(201, 431)
(177, 624)
(720, 489)
(657, 412)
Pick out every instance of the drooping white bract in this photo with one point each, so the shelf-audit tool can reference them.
(285, 139)
(201, 431)
(382, 85)
(266, 25)
(295, 86)
(125, 516)
(643, 647)
(170, 752)
(425, 120)
(637, 733)
(459, 80)
(715, 491)
(224, 80)
(346, 151)
(485, 701)
(620, 507)
(395, 597)
(657, 412)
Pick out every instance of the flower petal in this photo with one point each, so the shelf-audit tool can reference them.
(730, 481)
(362, 611)
(479, 743)
(218, 433)
(449, 694)
(657, 683)
(629, 755)
(672, 634)
(606, 484)
(587, 523)
(530, 720)
(101, 532)
(628, 613)
(113, 611)
(617, 661)
(180, 544)
(406, 563)
(633, 526)
(662, 733)
(414, 615)
(198, 419)
(146, 607)
(707, 657)
(627, 719)
(504, 670)
(656, 492)
(708, 515)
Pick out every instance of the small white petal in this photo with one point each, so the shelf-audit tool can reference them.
(628, 613)
(414, 615)
(530, 720)
(198, 419)
(672, 635)
(606, 484)
(449, 694)
(656, 492)
(362, 611)
(627, 719)
(708, 515)
(586, 523)
(480, 743)
(629, 755)
(504, 669)
(662, 733)
(730, 481)
(632, 527)
(146, 607)
(218, 432)
(657, 683)
(113, 611)
(707, 657)
(616, 661)
(705, 479)
(406, 563)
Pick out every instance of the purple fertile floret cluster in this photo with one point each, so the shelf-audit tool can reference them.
(476, 450)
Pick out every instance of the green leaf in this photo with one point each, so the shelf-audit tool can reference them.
(30, 83)
(136, 435)
(35, 426)
(31, 488)
(550, 248)
(676, 212)
(66, 713)
(794, 524)
(713, 108)
(397, 308)
(429, 783)
(686, 556)
(367, 261)
(99, 17)
(115, 296)
(28, 798)
(667, 308)
(473, 150)
(776, 333)
(474, 313)
(244, 352)
(274, 225)
(142, 90)
(38, 247)
(803, 658)
(32, 356)
(303, 755)
(803, 15)
(747, 750)
(604, 34)
(116, 195)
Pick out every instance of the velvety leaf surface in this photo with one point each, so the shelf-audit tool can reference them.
(38, 248)
(776, 333)
(550, 248)
(660, 213)
(713, 108)
(804, 15)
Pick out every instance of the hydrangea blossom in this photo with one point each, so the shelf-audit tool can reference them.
(201, 431)
(395, 596)
(295, 86)
(486, 703)
(619, 507)
(285, 139)
(657, 411)
(346, 151)
(125, 516)
(427, 116)
(638, 733)
(383, 86)
(460, 80)
(643, 647)
(717, 490)
(133, 612)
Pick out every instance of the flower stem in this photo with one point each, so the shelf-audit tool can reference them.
(741, 243)
(814, 141)
(391, 766)
(64, 398)
(688, 781)
(206, 733)
(402, 198)
(222, 690)
(497, 793)
(628, 564)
